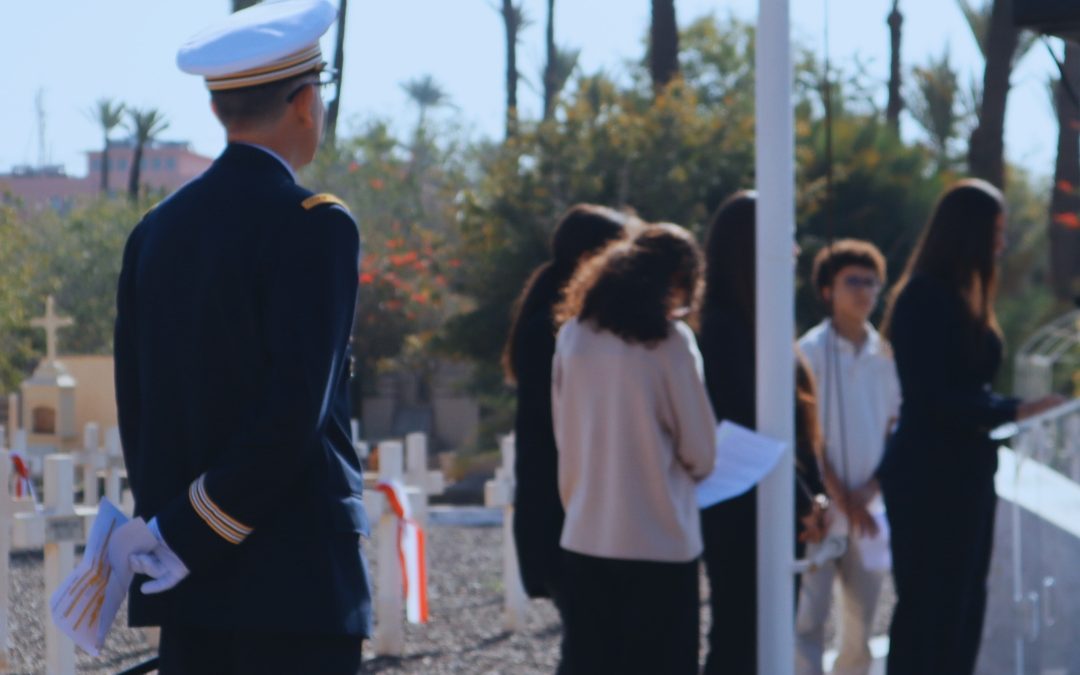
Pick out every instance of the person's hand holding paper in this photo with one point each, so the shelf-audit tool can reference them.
(743, 458)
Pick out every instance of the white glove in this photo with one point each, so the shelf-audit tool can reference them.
(161, 564)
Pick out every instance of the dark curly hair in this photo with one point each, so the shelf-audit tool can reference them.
(634, 287)
(845, 253)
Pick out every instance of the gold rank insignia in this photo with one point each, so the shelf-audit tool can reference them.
(323, 198)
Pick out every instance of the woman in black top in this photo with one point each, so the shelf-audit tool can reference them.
(583, 231)
(728, 349)
(937, 476)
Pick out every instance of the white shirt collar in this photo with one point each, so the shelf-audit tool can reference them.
(274, 155)
(871, 346)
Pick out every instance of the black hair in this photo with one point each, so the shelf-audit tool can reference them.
(584, 230)
(730, 257)
(957, 248)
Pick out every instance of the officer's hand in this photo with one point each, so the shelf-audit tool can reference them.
(163, 566)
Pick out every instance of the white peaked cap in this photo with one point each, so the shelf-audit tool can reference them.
(264, 43)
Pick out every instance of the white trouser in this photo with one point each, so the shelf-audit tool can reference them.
(859, 591)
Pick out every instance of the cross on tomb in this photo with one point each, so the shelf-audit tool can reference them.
(51, 322)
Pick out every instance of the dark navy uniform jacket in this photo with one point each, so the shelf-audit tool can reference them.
(235, 308)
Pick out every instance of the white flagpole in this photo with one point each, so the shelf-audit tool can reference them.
(775, 134)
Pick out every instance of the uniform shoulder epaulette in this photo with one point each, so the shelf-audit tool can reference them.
(323, 198)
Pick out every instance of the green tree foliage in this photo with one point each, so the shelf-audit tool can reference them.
(16, 269)
(883, 191)
(675, 159)
(406, 210)
(936, 104)
(75, 257)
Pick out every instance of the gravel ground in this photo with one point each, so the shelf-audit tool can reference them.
(464, 635)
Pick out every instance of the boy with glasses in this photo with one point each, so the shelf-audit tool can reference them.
(859, 401)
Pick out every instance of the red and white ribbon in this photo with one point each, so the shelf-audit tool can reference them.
(411, 552)
(24, 484)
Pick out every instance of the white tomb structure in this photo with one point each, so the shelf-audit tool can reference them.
(48, 397)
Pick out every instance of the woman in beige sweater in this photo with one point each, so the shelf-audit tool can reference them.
(635, 432)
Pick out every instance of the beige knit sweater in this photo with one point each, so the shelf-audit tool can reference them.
(635, 432)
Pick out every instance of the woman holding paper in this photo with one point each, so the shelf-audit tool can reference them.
(729, 528)
(635, 433)
(937, 476)
(581, 233)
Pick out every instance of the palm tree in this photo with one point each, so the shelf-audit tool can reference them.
(663, 44)
(1065, 200)
(238, 5)
(978, 21)
(339, 65)
(934, 102)
(559, 66)
(145, 126)
(549, 65)
(1001, 46)
(109, 114)
(515, 21)
(426, 93)
(559, 70)
(896, 98)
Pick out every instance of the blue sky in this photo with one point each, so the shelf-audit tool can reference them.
(77, 52)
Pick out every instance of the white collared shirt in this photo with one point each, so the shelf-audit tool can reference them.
(862, 389)
(273, 154)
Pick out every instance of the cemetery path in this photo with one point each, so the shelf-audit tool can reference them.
(465, 634)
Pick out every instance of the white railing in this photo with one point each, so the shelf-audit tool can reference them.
(1038, 474)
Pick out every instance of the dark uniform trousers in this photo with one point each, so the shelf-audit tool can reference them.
(234, 312)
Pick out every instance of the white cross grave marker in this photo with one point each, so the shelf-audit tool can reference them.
(389, 603)
(500, 492)
(51, 322)
(63, 528)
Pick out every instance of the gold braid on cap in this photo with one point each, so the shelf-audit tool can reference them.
(294, 64)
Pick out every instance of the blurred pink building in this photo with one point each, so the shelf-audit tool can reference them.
(165, 167)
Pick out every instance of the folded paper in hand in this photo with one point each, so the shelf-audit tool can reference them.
(86, 603)
(743, 458)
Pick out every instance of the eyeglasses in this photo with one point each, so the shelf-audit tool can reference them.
(326, 77)
(856, 283)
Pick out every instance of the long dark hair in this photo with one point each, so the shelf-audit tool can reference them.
(731, 283)
(632, 288)
(730, 255)
(584, 230)
(957, 248)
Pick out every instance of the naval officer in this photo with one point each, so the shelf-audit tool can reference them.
(234, 312)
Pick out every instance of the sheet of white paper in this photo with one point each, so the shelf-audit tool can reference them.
(875, 552)
(743, 458)
(86, 603)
